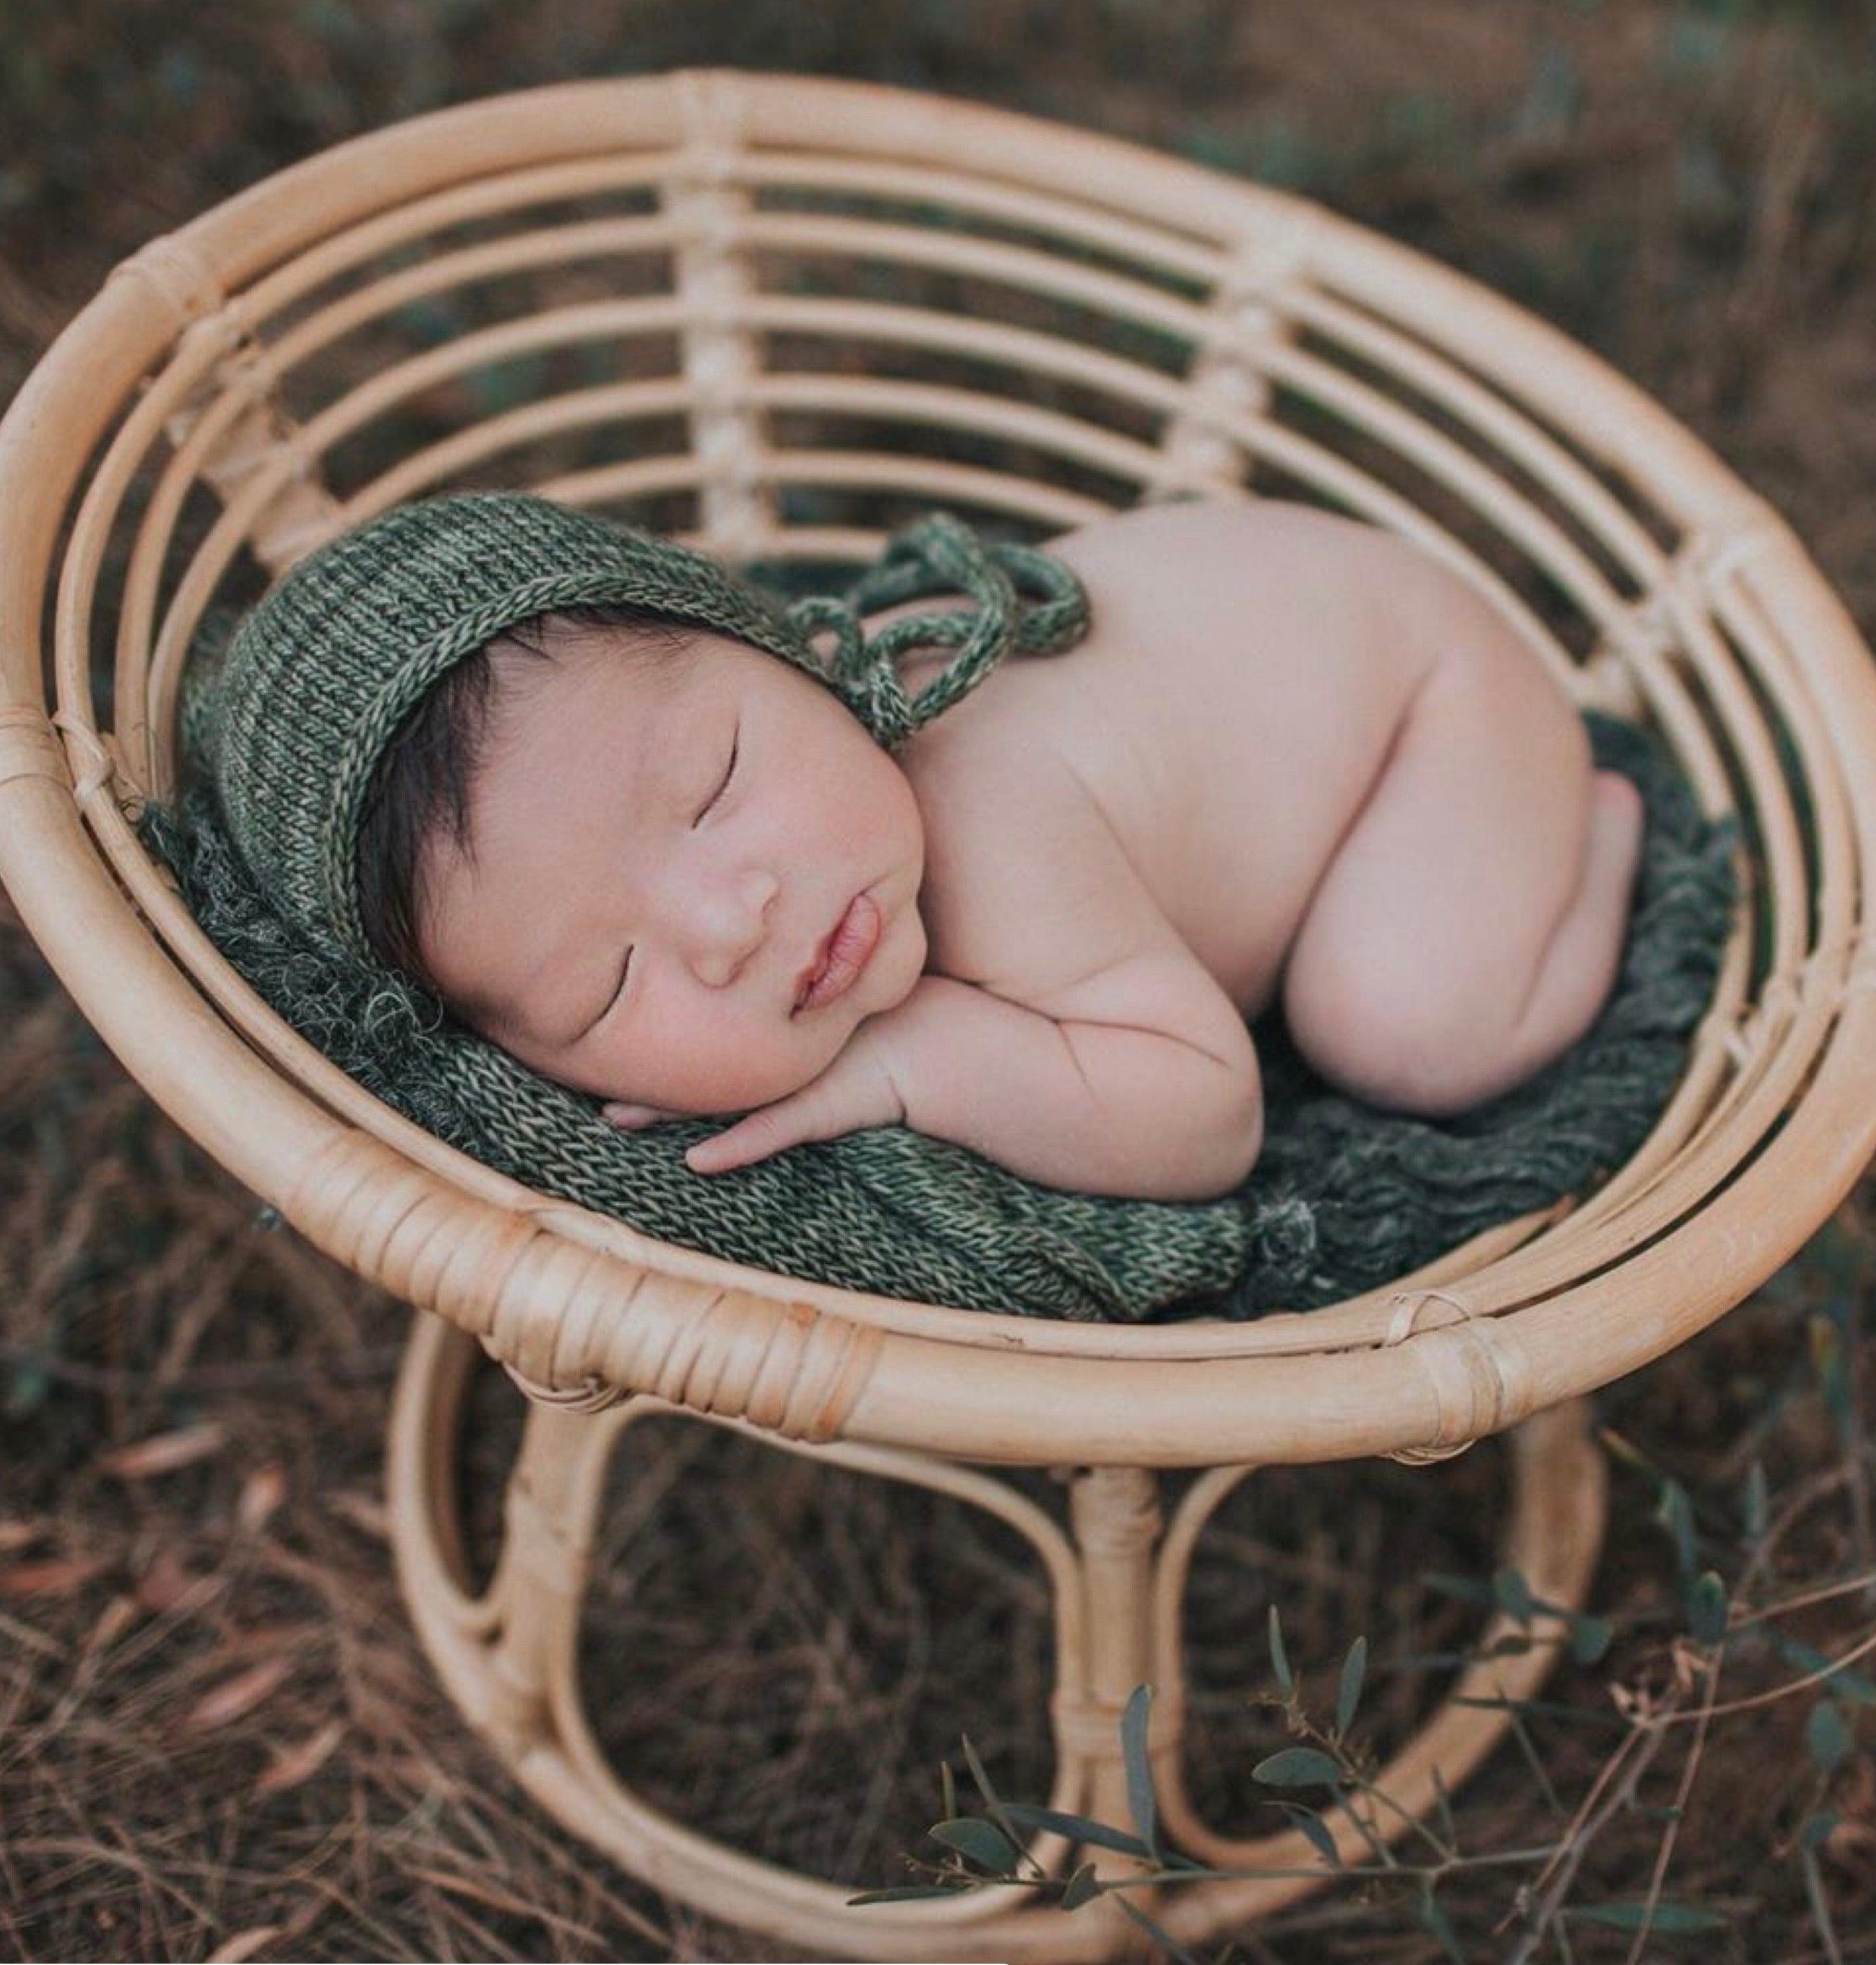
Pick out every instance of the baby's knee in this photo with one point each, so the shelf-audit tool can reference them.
(1373, 1024)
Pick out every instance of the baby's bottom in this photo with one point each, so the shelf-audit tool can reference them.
(1470, 928)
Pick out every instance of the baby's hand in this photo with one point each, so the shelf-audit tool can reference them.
(856, 1091)
(629, 1118)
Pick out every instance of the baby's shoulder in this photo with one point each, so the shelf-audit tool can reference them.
(1029, 893)
(1183, 553)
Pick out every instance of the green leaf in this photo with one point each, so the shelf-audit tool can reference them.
(1279, 1657)
(1313, 1825)
(1512, 1593)
(1667, 1917)
(1435, 1918)
(947, 1787)
(1590, 1638)
(1675, 1513)
(1448, 1827)
(1756, 1505)
(1850, 1688)
(1828, 1360)
(1826, 1737)
(1467, 1589)
(982, 1842)
(1841, 1256)
(1297, 1767)
(993, 1805)
(909, 1893)
(1349, 1692)
(1139, 1769)
(1817, 1827)
(1077, 1828)
(1080, 1887)
(984, 1789)
(1159, 1935)
(1706, 1608)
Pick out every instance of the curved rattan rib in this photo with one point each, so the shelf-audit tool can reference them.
(1685, 582)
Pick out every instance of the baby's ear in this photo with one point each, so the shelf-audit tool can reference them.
(630, 1118)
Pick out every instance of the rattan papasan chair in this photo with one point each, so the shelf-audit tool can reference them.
(678, 297)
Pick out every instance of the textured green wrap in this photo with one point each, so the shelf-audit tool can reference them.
(283, 726)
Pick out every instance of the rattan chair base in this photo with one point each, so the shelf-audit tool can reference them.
(508, 1657)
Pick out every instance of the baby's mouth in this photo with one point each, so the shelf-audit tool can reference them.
(848, 947)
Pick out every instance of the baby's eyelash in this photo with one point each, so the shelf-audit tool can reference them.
(735, 749)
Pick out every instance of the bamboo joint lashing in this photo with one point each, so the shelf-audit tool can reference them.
(222, 330)
(103, 762)
(591, 1394)
(1087, 1728)
(1466, 1365)
(1117, 1511)
(712, 106)
(179, 274)
(29, 746)
(1779, 999)
(1407, 1306)
(1649, 629)
(1709, 556)
(1262, 263)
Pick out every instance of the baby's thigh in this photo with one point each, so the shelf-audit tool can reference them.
(1426, 931)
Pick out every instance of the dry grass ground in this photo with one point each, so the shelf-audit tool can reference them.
(218, 1736)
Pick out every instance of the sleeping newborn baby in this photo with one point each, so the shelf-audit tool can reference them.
(1294, 757)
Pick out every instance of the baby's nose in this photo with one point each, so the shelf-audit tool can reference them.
(736, 926)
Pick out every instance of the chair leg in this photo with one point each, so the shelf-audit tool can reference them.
(508, 1657)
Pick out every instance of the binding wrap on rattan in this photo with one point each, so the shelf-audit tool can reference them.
(1408, 1305)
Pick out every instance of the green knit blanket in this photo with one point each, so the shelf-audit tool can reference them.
(1343, 1198)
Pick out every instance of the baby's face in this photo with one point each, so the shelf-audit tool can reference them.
(609, 835)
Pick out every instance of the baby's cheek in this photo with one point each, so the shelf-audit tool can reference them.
(729, 1073)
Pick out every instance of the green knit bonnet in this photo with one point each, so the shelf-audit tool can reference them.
(284, 726)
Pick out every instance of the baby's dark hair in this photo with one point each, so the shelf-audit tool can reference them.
(424, 780)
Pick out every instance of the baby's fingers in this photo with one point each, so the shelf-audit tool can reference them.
(803, 1115)
(751, 1139)
(629, 1118)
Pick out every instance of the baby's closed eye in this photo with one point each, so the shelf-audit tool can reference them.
(735, 750)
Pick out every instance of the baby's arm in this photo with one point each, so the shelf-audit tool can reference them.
(1098, 1108)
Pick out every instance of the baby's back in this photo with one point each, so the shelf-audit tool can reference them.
(1221, 723)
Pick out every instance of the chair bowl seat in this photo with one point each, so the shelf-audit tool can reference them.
(774, 315)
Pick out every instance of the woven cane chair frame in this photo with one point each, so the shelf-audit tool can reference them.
(1271, 346)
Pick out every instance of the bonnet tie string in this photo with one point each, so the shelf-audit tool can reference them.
(939, 554)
